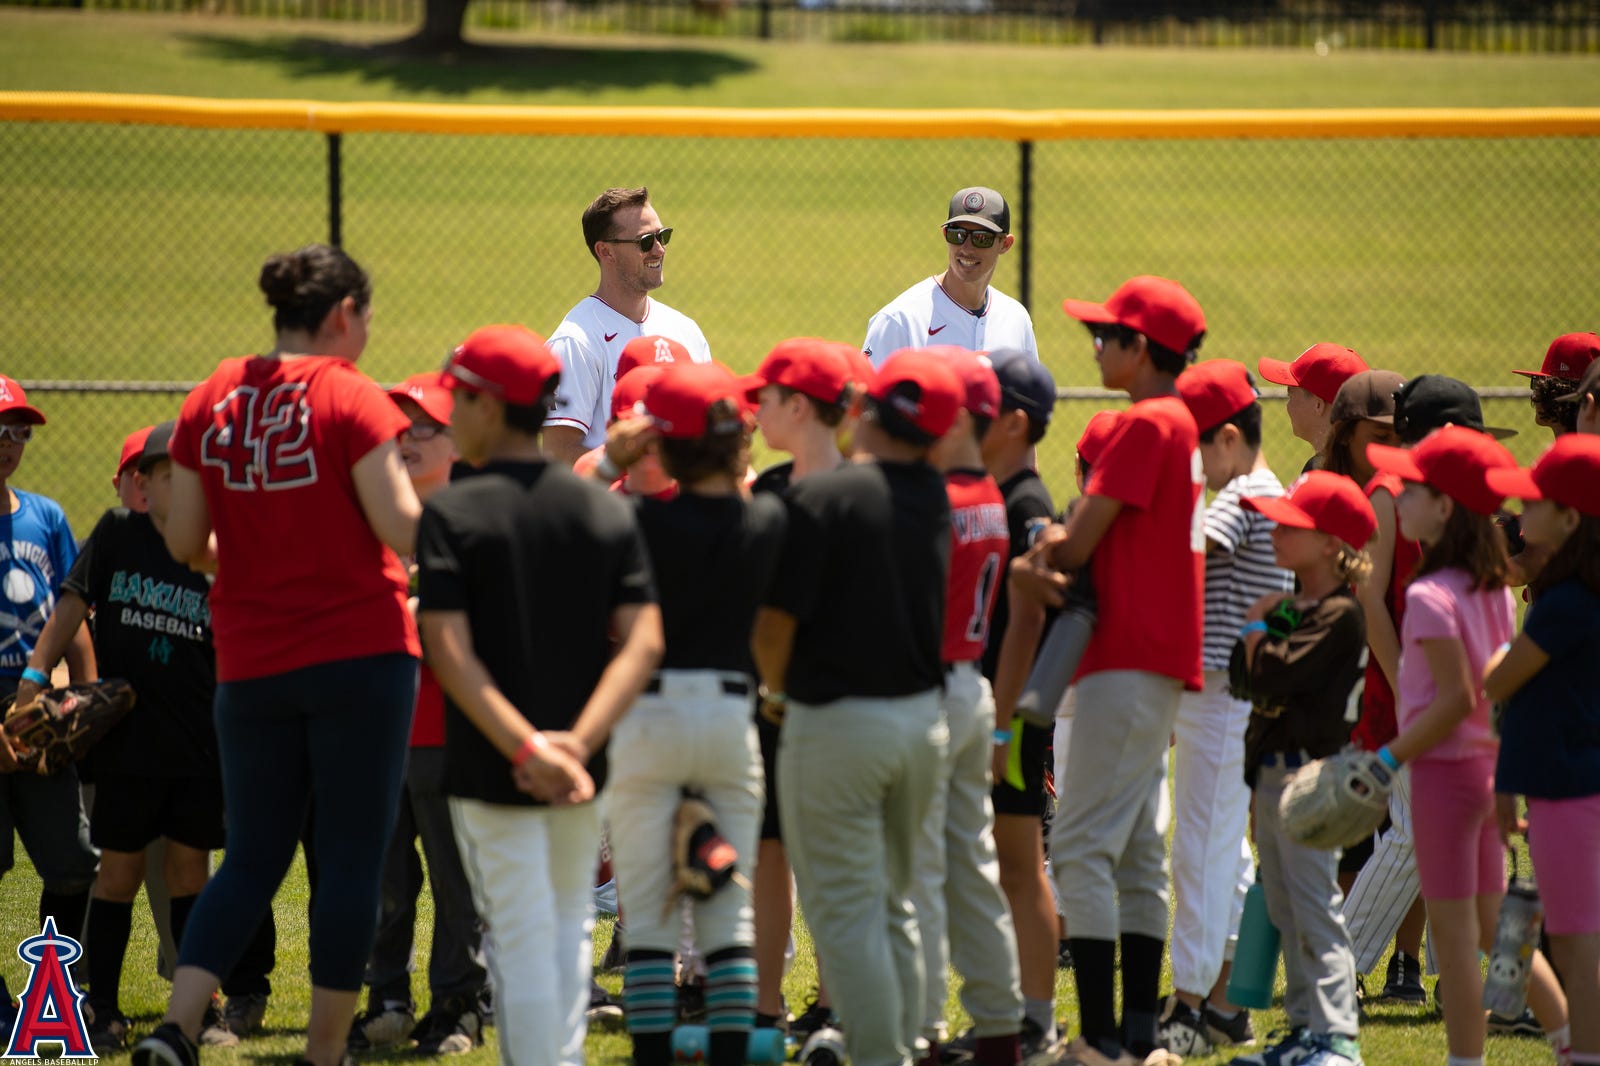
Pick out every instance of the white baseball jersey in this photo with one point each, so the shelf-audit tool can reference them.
(924, 314)
(588, 342)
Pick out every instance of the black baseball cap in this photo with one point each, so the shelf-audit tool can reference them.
(983, 206)
(1025, 385)
(1431, 401)
(156, 446)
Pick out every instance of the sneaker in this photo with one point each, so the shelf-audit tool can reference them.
(1404, 981)
(1332, 1049)
(167, 1046)
(1037, 1048)
(616, 955)
(214, 1031)
(451, 1027)
(1082, 1053)
(604, 1012)
(244, 1014)
(108, 1035)
(1236, 1031)
(779, 1020)
(1524, 1024)
(1181, 1029)
(383, 1026)
(959, 1049)
(1287, 1047)
(1063, 956)
(814, 1017)
(692, 1001)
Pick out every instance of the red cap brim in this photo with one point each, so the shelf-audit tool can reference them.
(1533, 373)
(1513, 481)
(1387, 459)
(752, 384)
(1280, 510)
(1086, 311)
(1276, 371)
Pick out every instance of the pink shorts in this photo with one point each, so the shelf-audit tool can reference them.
(1459, 854)
(1564, 842)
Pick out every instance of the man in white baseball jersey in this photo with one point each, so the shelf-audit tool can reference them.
(625, 236)
(958, 306)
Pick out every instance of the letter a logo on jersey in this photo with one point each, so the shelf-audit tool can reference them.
(50, 1009)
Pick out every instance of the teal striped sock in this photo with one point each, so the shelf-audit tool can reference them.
(649, 995)
(731, 992)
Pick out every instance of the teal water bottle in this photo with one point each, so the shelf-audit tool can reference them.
(1255, 957)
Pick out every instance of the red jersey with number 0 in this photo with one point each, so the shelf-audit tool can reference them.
(301, 577)
(1149, 568)
(980, 539)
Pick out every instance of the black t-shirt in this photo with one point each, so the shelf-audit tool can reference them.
(1304, 687)
(774, 479)
(538, 558)
(713, 558)
(863, 572)
(1028, 510)
(152, 627)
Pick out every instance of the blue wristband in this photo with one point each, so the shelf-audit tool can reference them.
(38, 677)
(1002, 736)
(1386, 757)
(1258, 626)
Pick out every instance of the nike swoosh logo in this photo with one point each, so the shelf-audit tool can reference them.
(610, 337)
(935, 329)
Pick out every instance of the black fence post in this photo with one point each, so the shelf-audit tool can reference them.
(1025, 201)
(335, 192)
(765, 26)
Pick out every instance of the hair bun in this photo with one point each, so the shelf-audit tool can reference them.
(282, 278)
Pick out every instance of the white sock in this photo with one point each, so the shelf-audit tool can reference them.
(1560, 1039)
(1463, 1060)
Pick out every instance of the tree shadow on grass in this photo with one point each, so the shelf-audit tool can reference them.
(472, 67)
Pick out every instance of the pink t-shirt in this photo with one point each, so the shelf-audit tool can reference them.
(1444, 606)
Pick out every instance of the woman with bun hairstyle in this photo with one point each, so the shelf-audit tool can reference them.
(287, 480)
(1550, 732)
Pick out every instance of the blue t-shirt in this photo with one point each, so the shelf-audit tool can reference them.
(36, 551)
(1550, 734)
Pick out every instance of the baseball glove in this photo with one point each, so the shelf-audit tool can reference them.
(59, 725)
(1337, 801)
(702, 859)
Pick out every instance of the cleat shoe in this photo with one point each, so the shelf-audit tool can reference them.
(616, 956)
(779, 1020)
(166, 1046)
(1082, 1053)
(380, 1027)
(1404, 982)
(1063, 956)
(692, 1001)
(244, 1014)
(1037, 1048)
(108, 1035)
(1181, 1029)
(1524, 1024)
(603, 1012)
(214, 1031)
(451, 1027)
(1332, 1049)
(960, 1049)
(1288, 1047)
(814, 1017)
(1236, 1031)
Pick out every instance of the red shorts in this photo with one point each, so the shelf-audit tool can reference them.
(1564, 842)
(1459, 854)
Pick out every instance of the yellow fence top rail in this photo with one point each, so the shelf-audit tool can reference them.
(801, 122)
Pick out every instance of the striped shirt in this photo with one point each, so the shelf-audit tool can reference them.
(1240, 567)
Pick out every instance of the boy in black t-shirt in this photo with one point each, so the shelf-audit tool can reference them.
(526, 574)
(852, 629)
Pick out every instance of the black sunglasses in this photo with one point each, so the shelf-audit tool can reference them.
(980, 238)
(645, 241)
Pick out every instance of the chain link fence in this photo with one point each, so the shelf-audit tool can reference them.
(130, 252)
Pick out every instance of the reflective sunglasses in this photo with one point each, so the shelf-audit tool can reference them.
(21, 434)
(645, 241)
(421, 431)
(980, 238)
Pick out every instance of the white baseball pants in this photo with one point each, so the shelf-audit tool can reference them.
(1387, 885)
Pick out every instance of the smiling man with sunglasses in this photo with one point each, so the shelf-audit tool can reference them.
(958, 306)
(625, 235)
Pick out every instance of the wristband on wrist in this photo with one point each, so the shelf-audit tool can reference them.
(38, 677)
(768, 696)
(536, 742)
(606, 468)
(1257, 626)
(1002, 736)
(1386, 757)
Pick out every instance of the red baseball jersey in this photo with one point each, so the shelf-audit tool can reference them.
(1149, 568)
(979, 542)
(1377, 725)
(301, 577)
(427, 722)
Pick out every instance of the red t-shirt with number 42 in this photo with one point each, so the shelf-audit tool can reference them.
(1149, 568)
(301, 577)
(980, 539)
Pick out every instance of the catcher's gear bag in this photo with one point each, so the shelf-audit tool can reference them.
(702, 859)
(1337, 801)
(59, 725)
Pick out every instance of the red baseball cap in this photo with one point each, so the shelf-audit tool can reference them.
(1320, 370)
(1096, 435)
(428, 391)
(1454, 460)
(647, 351)
(1325, 502)
(980, 387)
(1159, 308)
(629, 390)
(679, 402)
(511, 362)
(12, 398)
(1568, 356)
(861, 369)
(1216, 390)
(808, 365)
(133, 447)
(1568, 473)
(920, 388)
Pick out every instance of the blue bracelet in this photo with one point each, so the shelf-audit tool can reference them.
(1386, 757)
(1002, 736)
(1258, 626)
(38, 677)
